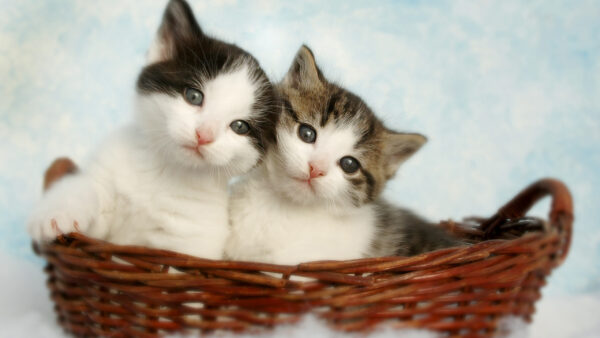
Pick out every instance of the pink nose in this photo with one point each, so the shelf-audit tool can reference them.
(315, 171)
(203, 138)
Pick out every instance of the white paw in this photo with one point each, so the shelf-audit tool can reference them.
(71, 205)
(45, 226)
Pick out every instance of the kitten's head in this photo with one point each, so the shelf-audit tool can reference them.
(203, 103)
(331, 149)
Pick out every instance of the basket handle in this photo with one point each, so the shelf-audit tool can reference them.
(561, 210)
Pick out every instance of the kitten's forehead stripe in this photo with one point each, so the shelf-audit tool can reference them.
(290, 110)
(349, 104)
(330, 109)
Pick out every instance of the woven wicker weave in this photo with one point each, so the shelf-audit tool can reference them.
(458, 291)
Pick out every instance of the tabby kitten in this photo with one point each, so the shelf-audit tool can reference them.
(316, 196)
(204, 111)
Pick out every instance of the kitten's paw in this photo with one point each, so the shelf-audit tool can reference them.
(44, 227)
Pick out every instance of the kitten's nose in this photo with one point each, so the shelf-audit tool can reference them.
(203, 137)
(315, 171)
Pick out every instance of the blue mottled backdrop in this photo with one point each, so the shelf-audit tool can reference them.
(506, 91)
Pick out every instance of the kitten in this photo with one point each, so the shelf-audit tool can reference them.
(316, 195)
(204, 111)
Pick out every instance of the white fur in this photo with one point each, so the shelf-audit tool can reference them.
(143, 187)
(278, 219)
(267, 228)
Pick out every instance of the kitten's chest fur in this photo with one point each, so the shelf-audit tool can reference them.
(268, 229)
(149, 202)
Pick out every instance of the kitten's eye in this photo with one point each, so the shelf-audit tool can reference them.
(240, 127)
(349, 164)
(307, 133)
(193, 96)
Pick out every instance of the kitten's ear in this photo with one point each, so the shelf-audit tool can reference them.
(177, 28)
(399, 147)
(304, 71)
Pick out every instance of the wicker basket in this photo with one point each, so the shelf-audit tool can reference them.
(457, 291)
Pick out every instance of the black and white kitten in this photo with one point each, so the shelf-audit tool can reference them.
(204, 111)
(316, 195)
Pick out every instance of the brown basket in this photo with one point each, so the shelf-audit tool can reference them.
(458, 291)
